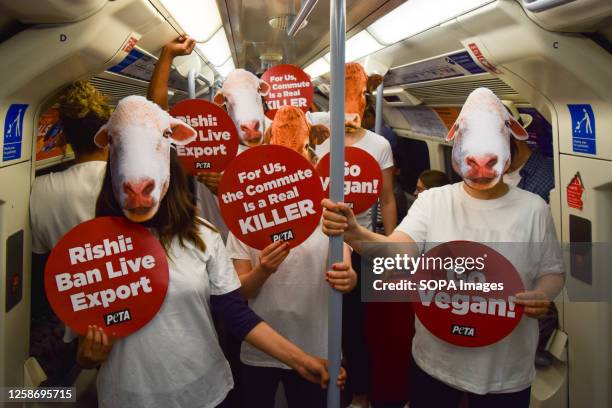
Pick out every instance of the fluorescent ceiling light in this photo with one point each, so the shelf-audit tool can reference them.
(358, 46)
(317, 68)
(415, 16)
(216, 50)
(199, 19)
(226, 68)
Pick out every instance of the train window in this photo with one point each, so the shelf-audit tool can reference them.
(412, 158)
(392, 98)
(448, 164)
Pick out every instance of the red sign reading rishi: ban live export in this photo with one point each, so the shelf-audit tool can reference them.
(109, 272)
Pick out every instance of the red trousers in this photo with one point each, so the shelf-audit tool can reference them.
(389, 331)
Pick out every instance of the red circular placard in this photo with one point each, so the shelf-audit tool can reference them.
(289, 85)
(85, 281)
(271, 193)
(486, 317)
(362, 178)
(217, 141)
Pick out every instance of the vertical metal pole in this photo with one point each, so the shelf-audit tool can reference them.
(191, 86)
(377, 129)
(191, 83)
(337, 33)
(379, 108)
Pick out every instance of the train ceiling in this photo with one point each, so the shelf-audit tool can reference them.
(257, 30)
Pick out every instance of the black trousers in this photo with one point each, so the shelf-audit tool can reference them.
(353, 336)
(259, 385)
(428, 392)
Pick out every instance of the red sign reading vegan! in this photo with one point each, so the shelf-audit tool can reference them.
(108, 272)
(272, 193)
(289, 85)
(217, 141)
(362, 178)
(470, 301)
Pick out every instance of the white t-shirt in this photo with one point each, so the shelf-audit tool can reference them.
(513, 178)
(380, 149)
(293, 300)
(175, 361)
(60, 201)
(449, 213)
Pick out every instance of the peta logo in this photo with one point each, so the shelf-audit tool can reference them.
(463, 330)
(117, 317)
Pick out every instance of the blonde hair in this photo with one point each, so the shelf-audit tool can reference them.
(82, 98)
(83, 110)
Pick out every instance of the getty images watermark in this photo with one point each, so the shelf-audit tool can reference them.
(482, 273)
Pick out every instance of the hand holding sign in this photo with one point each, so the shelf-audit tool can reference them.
(95, 347)
(289, 86)
(272, 256)
(362, 178)
(217, 141)
(271, 194)
(107, 272)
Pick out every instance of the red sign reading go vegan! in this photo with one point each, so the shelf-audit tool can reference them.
(362, 178)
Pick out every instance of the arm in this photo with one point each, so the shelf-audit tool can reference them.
(338, 218)
(253, 278)
(158, 86)
(387, 201)
(242, 322)
(550, 277)
(311, 368)
(537, 301)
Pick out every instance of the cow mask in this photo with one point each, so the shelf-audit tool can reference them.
(357, 84)
(139, 134)
(481, 134)
(291, 129)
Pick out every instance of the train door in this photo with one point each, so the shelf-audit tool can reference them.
(50, 46)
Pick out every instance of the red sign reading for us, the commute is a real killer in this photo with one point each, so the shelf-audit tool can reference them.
(456, 306)
(217, 141)
(362, 178)
(109, 272)
(271, 193)
(289, 86)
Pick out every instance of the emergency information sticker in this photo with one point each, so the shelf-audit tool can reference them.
(109, 272)
(271, 194)
(584, 138)
(216, 144)
(468, 305)
(362, 178)
(574, 191)
(13, 131)
(289, 86)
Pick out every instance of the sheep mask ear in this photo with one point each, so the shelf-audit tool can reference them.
(101, 138)
(182, 133)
